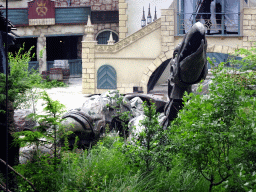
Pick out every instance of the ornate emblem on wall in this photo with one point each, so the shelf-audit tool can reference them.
(41, 9)
(41, 12)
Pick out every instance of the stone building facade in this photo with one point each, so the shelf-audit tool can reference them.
(137, 56)
(45, 35)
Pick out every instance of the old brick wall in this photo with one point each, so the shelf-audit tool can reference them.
(96, 5)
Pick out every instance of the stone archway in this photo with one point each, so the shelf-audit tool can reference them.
(168, 54)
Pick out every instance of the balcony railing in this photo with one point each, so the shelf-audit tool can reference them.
(220, 17)
(219, 25)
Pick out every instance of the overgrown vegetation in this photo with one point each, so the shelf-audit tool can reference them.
(210, 146)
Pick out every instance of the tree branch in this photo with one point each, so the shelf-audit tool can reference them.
(19, 175)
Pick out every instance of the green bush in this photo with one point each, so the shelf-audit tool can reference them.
(20, 80)
(211, 132)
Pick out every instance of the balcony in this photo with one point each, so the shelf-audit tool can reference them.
(220, 17)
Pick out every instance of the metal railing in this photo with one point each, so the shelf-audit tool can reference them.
(33, 65)
(218, 24)
(75, 66)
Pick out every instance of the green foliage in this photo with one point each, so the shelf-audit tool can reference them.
(249, 58)
(211, 131)
(48, 84)
(20, 80)
(121, 115)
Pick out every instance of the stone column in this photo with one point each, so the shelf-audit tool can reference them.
(88, 60)
(167, 32)
(249, 27)
(41, 45)
(123, 30)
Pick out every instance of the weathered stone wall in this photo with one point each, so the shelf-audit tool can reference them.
(96, 5)
(249, 27)
(123, 18)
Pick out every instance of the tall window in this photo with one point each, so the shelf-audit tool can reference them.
(103, 37)
(218, 16)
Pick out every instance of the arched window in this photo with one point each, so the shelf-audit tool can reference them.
(103, 37)
(106, 77)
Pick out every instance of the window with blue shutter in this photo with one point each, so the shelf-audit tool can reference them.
(17, 16)
(106, 77)
(71, 15)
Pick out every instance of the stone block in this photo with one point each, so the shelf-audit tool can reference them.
(157, 62)
(254, 27)
(85, 60)
(149, 73)
(85, 76)
(84, 70)
(90, 71)
(84, 55)
(225, 49)
(210, 48)
(85, 50)
(253, 17)
(249, 33)
(170, 28)
(245, 38)
(163, 18)
(90, 80)
(88, 44)
(247, 27)
(165, 23)
(123, 30)
(123, 17)
(170, 18)
(164, 59)
(167, 12)
(123, 6)
(144, 79)
(90, 65)
(86, 85)
(91, 60)
(246, 44)
(165, 33)
(248, 11)
(167, 39)
(231, 50)
(218, 49)
(245, 22)
(164, 48)
(91, 56)
(122, 23)
(152, 67)
(163, 28)
(248, 17)
(121, 1)
(251, 38)
(146, 71)
(91, 51)
(169, 54)
(172, 33)
(122, 36)
(253, 22)
(161, 55)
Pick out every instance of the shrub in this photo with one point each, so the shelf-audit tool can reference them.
(211, 131)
